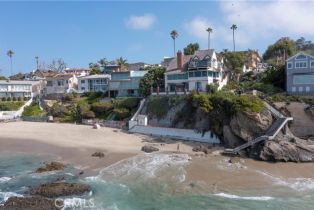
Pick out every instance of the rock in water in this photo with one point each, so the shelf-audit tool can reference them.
(149, 149)
(52, 190)
(31, 203)
(52, 166)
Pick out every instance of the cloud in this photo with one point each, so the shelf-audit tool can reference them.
(256, 20)
(143, 22)
(197, 27)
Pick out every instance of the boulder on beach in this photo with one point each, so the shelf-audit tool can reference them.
(52, 190)
(31, 203)
(149, 149)
(202, 148)
(98, 154)
(52, 166)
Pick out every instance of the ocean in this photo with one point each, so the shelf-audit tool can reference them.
(152, 182)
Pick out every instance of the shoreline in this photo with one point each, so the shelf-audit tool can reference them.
(74, 145)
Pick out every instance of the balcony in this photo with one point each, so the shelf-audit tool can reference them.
(203, 64)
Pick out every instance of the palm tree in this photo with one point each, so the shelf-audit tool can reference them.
(209, 30)
(36, 58)
(10, 53)
(103, 63)
(233, 27)
(174, 34)
(123, 63)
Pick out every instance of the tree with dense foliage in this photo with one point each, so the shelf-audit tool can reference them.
(233, 28)
(3, 78)
(174, 34)
(234, 61)
(154, 78)
(280, 51)
(10, 53)
(191, 48)
(209, 30)
(103, 62)
(275, 75)
(123, 63)
(304, 45)
(18, 76)
(94, 68)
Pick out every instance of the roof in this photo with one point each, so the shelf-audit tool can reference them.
(201, 54)
(18, 82)
(300, 53)
(96, 76)
(44, 73)
(61, 76)
(76, 69)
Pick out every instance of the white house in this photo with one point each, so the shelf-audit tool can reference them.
(195, 72)
(18, 89)
(93, 83)
(60, 83)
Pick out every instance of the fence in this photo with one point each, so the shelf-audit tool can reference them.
(35, 119)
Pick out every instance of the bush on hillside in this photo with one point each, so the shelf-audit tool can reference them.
(121, 113)
(102, 107)
(33, 111)
(128, 103)
(88, 115)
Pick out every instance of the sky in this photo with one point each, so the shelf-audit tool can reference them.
(81, 32)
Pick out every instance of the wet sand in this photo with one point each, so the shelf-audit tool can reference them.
(74, 144)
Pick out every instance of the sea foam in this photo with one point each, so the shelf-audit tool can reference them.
(255, 198)
(4, 179)
(6, 195)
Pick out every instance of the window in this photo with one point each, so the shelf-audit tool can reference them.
(289, 66)
(300, 89)
(204, 73)
(49, 83)
(293, 89)
(210, 73)
(312, 63)
(307, 89)
(191, 74)
(82, 88)
(82, 81)
(303, 79)
(60, 82)
(198, 74)
(300, 64)
(301, 57)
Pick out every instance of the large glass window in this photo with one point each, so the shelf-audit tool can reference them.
(177, 76)
(82, 81)
(300, 64)
(204, 73)
(49, 83)
(198, 74)
(312, 63)
(303, 79)
(60, 82)
(300, 57)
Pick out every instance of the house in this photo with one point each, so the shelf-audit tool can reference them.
(77, 71)
(300, 74)
(108, 69)
(60, 83)
(195, 72)
(18, 89)
(93, 83)
(125, 83)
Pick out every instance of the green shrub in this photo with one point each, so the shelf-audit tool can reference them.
(128, 103)
(14, 98)
(158, 106)
(19, 98)
(10, 105)
(68, 97)
(88, 115)
(25, 99)
(9, 99)
(121, 113)
(33, 111)
(3, 99)
(249, 103)
(211, 88)
(102, 107)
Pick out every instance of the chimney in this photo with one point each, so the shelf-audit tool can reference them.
(179, 59)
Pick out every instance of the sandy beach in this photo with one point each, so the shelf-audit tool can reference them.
(74, 144)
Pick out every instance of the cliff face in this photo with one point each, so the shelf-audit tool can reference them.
(285, 147)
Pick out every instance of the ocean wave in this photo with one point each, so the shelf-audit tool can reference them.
(254, 198)
(6, 195)
(80, 203)
(5, 179)
(147, 166)
(298, 184)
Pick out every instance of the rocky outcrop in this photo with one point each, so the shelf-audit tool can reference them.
(31, 203)
(248, 126)
(52, 190)
(98, 154)
(52, 166)
(230, 139)
(202, 148)
(287, 148)
(149, 149)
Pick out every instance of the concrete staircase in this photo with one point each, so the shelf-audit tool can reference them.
(270, 134)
